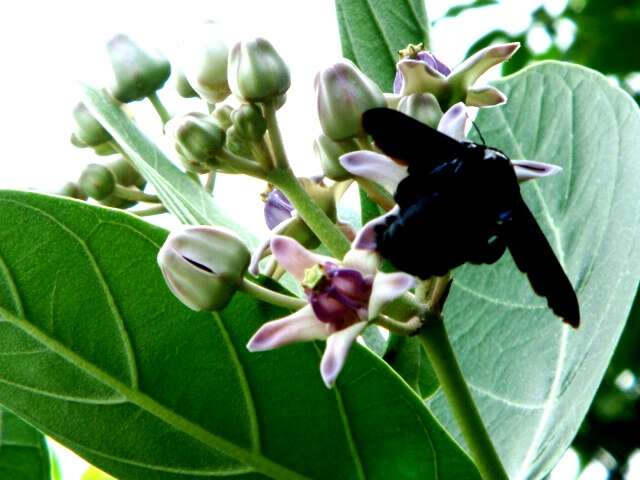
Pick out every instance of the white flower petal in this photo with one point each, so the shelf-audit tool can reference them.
(454, 121)
(529, 169)
(478, 63)
(336, 351)
(418, 77)
(301, 326)
(294, 257)
(486, 96)
(388, 287)
(374, 166)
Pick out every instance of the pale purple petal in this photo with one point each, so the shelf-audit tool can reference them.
(374, 166)
(366, 237)
(301, 326)
(277, 209)
(454, 121)
(433, 61)
(386, 288)
(294, 258)
(478, 63)
(530, 170)
(336, 351)
(418, 77)
(485, 96)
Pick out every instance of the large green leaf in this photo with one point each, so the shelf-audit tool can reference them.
(106, 361)
(23, 449)
(533, 377)
(182, 196)
(372, 32)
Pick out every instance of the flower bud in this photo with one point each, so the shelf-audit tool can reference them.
(114, 201)
(222, 115)
(198, 138)
(184, 88)
(97, 181)
(329, 153)
(344, 94)
(71, 190)
(137, 72)
(249, 122)
(424, 107)
(203, 266)
(126, 175)
(205, 63)
(88, 132)
(257, 73)
(237, 144)
(104, 149)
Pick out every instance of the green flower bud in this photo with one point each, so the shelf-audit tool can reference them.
(184, 88)
(138, 73)
(88, 132)
(114, 201)
(257, 73)
(97, 181)
(344, 93)
(249, 122)
(198, 138)
(329, 153)
(71, 190)
(203, 266)
(423, 107)
(125, 173)
(104, 149)
(205, 63)
(222, 116)
(237, 144)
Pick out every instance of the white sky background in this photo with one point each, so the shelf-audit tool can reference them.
(46, 47)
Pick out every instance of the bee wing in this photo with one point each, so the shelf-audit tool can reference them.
(408, 140)
(534, 256)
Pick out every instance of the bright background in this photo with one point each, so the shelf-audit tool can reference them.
(47, 47)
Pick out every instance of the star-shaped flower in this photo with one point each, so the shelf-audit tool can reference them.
(343, 298)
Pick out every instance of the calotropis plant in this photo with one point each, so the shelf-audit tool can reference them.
(211, 355)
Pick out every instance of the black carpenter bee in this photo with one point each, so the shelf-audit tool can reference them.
(461, 203)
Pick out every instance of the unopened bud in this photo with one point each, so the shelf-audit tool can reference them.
(88, 132)
(257, 73)
(329, 153)
(344, 93)
(203, 266)
(198, 138)
(97, 181)
(137, 73)
(204, 62)
(222, 115)
(237, 144)
(71, 190)
(126, 175)
(184, 88)
(424, 107)
(249, 122)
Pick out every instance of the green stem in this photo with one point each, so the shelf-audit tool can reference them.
(401, 328)
(435, 341)
(147, 212)
(309, 211)
(269, 296)
(211, 182)
(279, 154)
(376, 193)
(241, 164)
(159, 107)
(134, 195)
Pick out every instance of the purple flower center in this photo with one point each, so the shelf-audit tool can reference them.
(341, 296)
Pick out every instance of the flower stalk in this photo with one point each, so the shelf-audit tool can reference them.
(159, 107)
(270, 296)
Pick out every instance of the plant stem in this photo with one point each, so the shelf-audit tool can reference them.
(401, 328)
(211, 182)
(376, 193)
(134, 195)
(435, 341)
(311, 213)
(159, 107)
(241, 164)
(269, 296)
(147, 212)
(279, 154)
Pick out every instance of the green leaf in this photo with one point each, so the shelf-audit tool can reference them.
(23, 449)
(408, 358)
(532, 376)
(110, 364)
(371, 33)
(182, 196)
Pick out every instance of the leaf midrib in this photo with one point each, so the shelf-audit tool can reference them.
(150, 405)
